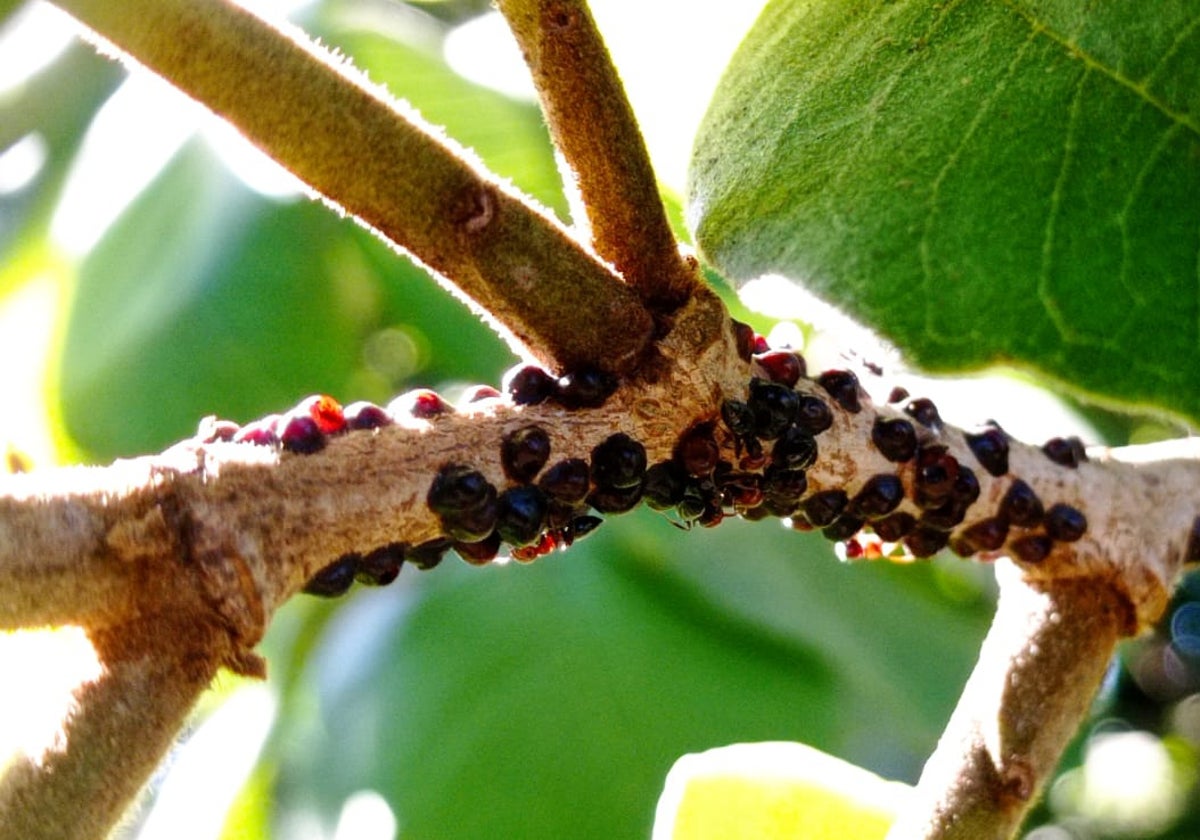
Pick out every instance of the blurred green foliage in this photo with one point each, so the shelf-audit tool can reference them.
(540, 701)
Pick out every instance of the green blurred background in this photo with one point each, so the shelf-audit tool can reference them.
(153, 272)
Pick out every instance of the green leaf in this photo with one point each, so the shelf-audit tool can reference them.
(980, 182)
(551, 700)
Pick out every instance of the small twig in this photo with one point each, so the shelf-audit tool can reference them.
(595, 129)
(154, 670)
(378, 160)
(1038, 670)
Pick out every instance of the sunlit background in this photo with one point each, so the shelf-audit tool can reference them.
(155, 268)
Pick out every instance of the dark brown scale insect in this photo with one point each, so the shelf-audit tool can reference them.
(935, 477)
(924, 412)
(712, 516)
(881, 495)
(784, 487)
(756, 514)
(1031, 549)
(782, 366)
(381, 566)
(842, 385)
(754, 457)
(894, 527)
(821, 509)
(951, 512)
(943, 517)
(744, 496)
(362, 415)
(578, 528)
(479, 553)
(567, 481)
(458, 487)
(986, 535)
(738, 418)
(842, 528)
(966, 487)
(1065, 523)
(616, 500)
(744, 339)
(665, 483)
(523, 452)
(1066, 452)
(1021, 506)
(693, 504)
(465, 502)
(925, 542)
(618, 462)
(587, 387)
(529, 385)
(775, 407)
(428, 554)
(301, 434)
(990, 448)
(335, 579)
(697, 452)
(895, 438)
(813, 414)
(521, 515)
(795, 449)
(897, 395)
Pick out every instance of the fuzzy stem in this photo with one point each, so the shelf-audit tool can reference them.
(376, 159)
(1039, 668)
(154, 670)
(595, 129)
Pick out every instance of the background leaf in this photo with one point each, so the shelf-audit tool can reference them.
(550, 700)
(979, 182)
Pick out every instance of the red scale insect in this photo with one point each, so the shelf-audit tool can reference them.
(325, 411)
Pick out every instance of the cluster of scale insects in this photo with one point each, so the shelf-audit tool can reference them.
(775, 432)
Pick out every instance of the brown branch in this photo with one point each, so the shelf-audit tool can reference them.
(1039, 668)
(154, 670)
(376, 159)
(247, 525)
(219, 535)
(594, 127)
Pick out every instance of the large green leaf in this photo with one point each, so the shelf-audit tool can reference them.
(979, 181)
(550, 701)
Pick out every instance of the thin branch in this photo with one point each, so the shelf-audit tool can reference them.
(376, 159)
(154, 670)
(594, 128)
(1038, 670)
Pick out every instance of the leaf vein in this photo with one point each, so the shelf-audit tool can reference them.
(1045, 295)
(981, 111)
(1138, 88)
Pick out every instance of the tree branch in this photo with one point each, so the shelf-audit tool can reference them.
(376, 159)
(154, 670)
(594, 128)
(1039, 668)
(218, 535)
